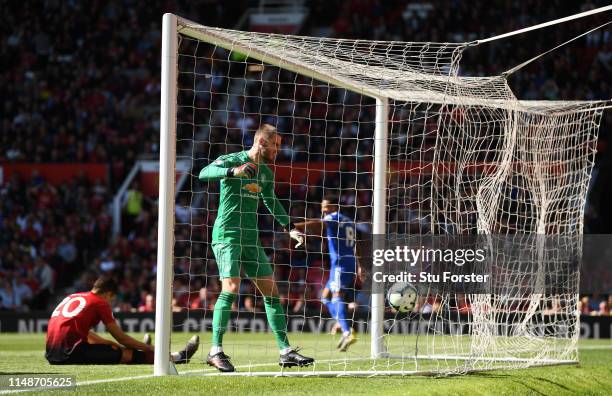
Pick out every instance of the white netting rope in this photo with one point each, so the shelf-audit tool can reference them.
(465, 157)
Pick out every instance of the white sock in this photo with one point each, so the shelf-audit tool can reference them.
(175, 356)
(346, 333)
(285, 350)
(215, 349)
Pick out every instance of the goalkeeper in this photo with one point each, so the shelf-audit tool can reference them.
(245, 178)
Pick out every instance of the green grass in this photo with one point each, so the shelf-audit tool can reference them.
(23, 353)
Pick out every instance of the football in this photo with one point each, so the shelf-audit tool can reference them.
(402, 296)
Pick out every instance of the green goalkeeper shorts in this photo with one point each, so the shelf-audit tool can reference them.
(231, 256)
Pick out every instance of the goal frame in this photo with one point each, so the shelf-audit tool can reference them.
(171, 26)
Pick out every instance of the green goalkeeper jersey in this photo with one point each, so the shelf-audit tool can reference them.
(237, 216)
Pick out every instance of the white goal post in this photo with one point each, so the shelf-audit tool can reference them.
(438, 154)
(165, 228)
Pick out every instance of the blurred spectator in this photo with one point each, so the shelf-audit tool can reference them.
(8, 300)
(85, 281)
(22, 293)
(148, 304)
(584, 305)
(133, 202)
(183, 211)
(175, 306)
(67, 250)
(203, 300)
(106, 263)
(44, 275)
(595, 302)
(603, 309)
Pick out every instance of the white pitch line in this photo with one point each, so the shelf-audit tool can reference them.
(6, 392)
(595, 347)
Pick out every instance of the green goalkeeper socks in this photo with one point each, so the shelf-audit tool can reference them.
(277, 320)
(274, 313)
(221, 315)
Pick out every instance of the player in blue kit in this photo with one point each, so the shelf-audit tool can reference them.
(341, 235)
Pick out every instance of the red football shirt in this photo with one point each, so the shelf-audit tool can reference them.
(73, 318)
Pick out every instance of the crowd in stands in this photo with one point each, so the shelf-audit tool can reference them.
(47, 235)
(595, 305)
(81, 84)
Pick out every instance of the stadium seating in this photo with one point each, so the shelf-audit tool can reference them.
(82, 86)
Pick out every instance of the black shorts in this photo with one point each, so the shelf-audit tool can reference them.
(85, 353)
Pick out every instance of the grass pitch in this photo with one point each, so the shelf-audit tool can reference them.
(23, 354)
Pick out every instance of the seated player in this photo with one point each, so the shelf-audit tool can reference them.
(340, 232)
(71, 341)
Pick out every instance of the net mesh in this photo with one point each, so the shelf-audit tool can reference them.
(465, 157)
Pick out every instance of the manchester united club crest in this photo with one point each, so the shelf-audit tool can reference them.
(253, 188)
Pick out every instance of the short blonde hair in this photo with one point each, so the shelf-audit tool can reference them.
(267, 131)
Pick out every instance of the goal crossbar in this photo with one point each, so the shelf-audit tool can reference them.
(405, 85)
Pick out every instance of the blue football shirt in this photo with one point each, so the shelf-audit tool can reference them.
(341, 238)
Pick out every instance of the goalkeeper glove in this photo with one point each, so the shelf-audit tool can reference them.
(296, 235)
(245, 170)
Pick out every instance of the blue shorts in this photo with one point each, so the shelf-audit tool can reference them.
(340, 280)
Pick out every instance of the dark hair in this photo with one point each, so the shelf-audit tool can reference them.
(331, 197)
(105, 284)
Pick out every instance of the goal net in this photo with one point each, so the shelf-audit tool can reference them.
(412, 152)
